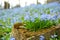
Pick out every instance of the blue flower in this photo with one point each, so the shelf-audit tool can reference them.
(45, 17)
(54, 17)
(12, 38)
(32, 18)
(27, 17)
(36, 15)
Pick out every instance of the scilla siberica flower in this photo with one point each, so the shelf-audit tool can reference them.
(54, 17)
(42, 37)
(45, 17)
(36, 15)
(32, 18)
(27, 17)
(12, 38)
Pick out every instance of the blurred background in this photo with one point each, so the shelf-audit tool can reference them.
(23, 3)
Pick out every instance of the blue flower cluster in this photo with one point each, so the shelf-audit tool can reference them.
(44, 12)
(49, 11)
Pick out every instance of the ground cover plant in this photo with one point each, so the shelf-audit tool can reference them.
(35, 17)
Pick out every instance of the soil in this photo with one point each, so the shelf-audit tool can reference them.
(25, 34)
